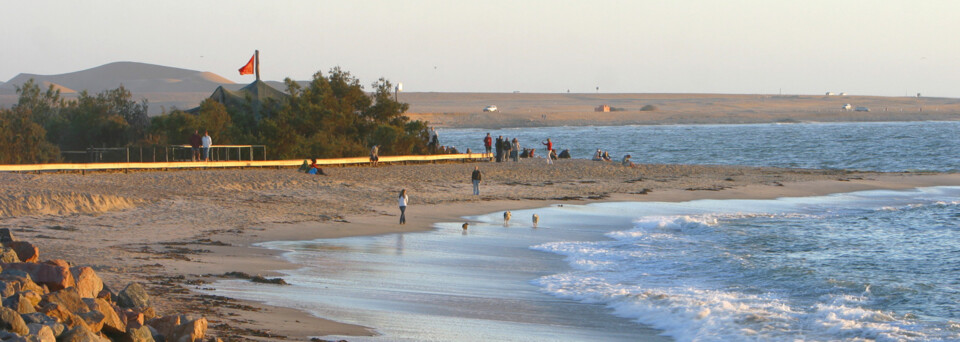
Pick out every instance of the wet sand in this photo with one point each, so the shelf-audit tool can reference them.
(178, 231)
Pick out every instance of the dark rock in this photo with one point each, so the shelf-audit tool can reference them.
(26, 251)
(133, 296)
(6, 235)
(11, 320)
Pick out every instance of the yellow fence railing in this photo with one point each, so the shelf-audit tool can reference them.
(237, 164)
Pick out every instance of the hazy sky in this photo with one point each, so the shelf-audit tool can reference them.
(875, 47)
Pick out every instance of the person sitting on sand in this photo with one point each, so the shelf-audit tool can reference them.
(606, 156)
(626, 161)
(374, 155)
(598, 156)
(314, 168)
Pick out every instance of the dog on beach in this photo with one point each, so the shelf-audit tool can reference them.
(536, 220)
(506, 218)
(465, 225)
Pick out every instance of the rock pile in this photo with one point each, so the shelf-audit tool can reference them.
(53, 301)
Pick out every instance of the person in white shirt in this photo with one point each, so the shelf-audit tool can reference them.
(207, 142)
(403, 206)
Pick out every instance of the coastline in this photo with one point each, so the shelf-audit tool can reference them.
(226, 242)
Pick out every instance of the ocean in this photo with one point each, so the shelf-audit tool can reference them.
(862, 266)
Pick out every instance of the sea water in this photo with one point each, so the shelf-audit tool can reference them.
(883, 146)
(863, 266)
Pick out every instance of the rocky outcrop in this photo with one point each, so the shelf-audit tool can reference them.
(55, 274)
(51, 301)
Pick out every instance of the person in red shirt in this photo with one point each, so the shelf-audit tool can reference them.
(488, 142)
(549, 145)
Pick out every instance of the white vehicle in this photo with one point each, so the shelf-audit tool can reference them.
(490, 109)
(847, 107)
(862, 109)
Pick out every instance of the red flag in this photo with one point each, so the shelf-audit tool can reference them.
(248, 69)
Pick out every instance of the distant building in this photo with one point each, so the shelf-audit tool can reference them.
(843, 94)
(602, 108)
(830, 93)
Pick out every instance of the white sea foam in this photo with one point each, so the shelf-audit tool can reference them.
(670, 272)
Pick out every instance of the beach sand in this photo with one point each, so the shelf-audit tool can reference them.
(563, 109)
(179, 230)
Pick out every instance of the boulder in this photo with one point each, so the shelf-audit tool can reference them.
(13, 281)
(32, 296)
(68, 299)
(81, 333)
(6, 235)
(190, 331)
(43, 333)
(41, 319)
(133, 296)
(132, 318)
(62, 315)
(19, 303)
(88, 283)
(26, 251)
(112, 324)
(11, 320)
(138, 334)
(8, 255)
(166, 326)
(94, 320)
(55, 274)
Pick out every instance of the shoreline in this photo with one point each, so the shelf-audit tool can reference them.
(453, 212)
(207, 233)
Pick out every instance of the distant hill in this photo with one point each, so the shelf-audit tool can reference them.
(136, 77)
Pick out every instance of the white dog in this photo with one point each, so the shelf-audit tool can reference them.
(536, 220)
(506, 218)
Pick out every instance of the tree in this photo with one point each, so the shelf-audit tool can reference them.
(23, 141)
(215, 120)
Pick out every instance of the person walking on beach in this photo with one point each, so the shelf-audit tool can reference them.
(549, 145)
(375, 155)
(487, 142)
(207, 141)
(476, 177)
(195, 142)
(499, 148)
(403, 206)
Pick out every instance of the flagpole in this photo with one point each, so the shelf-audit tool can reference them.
(257, 63)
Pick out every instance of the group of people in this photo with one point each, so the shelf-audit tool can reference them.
(601, 155)
(507, 149)
(196, 142)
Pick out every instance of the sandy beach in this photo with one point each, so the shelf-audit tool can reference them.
(176, 231)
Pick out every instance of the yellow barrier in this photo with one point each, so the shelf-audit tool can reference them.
(231, 164)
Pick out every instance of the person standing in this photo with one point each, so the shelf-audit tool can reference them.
(403, 206)
(207, 141)
(499, 148)
(434, 138)
(549, 145)
(487, 142)
(515, 150)
(195, 142)
(476, 177)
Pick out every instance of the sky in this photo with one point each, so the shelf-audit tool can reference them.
(876, 47)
